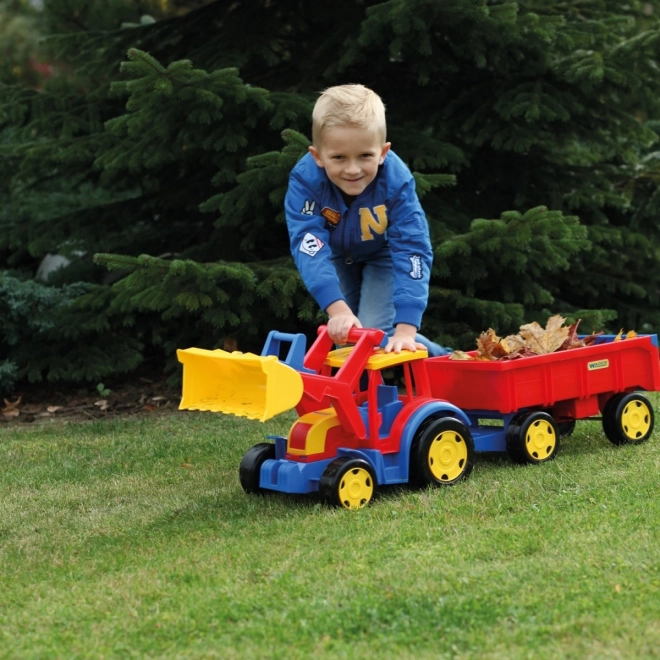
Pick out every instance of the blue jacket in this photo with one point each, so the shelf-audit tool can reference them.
(386, 213)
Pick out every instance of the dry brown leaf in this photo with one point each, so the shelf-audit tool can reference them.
(590, 339)
(513, 344)
(631, 334)
(11, 409)
(491, 347)
(102, 404)
(488, 345)
(572, 340)
(460, 355)
(545, 340)
(11, 405)
(486, 339)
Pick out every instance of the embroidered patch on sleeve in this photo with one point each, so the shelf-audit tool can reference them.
(308, 207)
(332, 216)
(310, 244)
(416, 267)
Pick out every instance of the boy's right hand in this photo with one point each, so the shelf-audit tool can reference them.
(341, 321)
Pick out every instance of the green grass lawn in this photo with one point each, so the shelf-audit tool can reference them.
(132, 538)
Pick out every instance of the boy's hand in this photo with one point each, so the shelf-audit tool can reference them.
(341, 321)
(403, 339)
(338, 327)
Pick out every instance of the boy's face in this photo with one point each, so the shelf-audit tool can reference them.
(350, 157)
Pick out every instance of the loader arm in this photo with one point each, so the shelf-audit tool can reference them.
(262, 386)
(323, 390)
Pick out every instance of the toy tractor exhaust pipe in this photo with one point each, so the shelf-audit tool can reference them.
(241, 384)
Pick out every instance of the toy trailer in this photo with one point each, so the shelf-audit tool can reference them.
(539, 398)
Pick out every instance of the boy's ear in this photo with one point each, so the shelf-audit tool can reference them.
(316, 155)
(383, 153)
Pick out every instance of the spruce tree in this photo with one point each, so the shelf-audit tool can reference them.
(162, 147)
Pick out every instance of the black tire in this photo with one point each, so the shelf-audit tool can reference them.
(608, 416)
(532, 437)
(348, 482)
(628, 419)
(565, 428)
(250, 467)
(442, 453)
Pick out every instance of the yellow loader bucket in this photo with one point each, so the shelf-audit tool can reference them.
(242, 384)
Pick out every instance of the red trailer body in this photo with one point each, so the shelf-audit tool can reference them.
(574, 384)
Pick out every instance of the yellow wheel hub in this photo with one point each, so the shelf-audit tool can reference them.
(448, 456)
(356, 489)
(635, 419)
(540, 440)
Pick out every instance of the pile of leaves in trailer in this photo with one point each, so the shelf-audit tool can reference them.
(532, 339)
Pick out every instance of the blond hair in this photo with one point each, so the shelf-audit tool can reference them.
(354, 106)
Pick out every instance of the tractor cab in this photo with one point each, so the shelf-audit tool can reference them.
(379, 401)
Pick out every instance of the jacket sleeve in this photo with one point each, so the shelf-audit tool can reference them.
(412, 254)
(309, 241)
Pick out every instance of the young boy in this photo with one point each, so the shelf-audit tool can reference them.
(358, 233)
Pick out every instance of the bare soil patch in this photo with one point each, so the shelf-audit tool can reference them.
(143, 395)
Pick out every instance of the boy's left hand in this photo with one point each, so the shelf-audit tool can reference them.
(403, 339)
